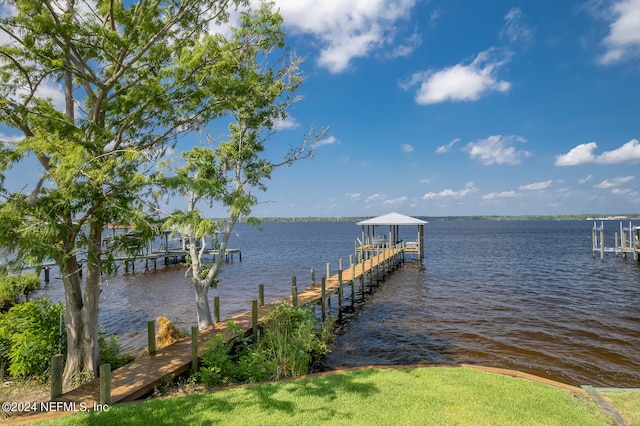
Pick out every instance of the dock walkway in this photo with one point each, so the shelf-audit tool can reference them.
(141, 376)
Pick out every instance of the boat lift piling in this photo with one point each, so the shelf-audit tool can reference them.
(626, 242)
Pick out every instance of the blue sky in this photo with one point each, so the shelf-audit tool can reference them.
(459, 107)
(462, 107)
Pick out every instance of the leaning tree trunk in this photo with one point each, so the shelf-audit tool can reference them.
(81, 316)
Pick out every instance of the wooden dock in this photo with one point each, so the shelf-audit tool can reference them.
(143, 375)
(626, 243)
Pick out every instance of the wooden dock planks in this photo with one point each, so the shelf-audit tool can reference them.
(141, 376)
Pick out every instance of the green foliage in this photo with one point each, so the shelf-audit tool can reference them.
(290, 340)
(288, 344)
(233, 362)
(110, 351)
(30, 335)
(12, 287)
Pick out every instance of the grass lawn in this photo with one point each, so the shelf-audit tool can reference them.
(626, 403)
(434, 396)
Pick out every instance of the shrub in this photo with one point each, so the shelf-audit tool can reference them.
(13, 287)
(288, 344)
(111, 352)
(290, 340)
(30, 334)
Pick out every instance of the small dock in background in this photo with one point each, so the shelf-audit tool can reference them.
(143, 375)
(626, 243)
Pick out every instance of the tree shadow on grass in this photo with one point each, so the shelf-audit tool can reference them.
(286, 398)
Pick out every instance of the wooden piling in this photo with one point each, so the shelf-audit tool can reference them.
(313, 276)
(340, 295)
(362, 278)
(216, 309)
(353, 283)
(194, 349)
(254, 318)
(105, 384)
(261, 294)
(57, 362)
(323, 298)
(151, 336)
(294, 292)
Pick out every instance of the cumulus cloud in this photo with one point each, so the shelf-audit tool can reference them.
(515, 29)
(623, 40)
(407, 148)
(538, 186)
(461, 82)
(606, 184)
(345, 29)
(497, 149)
(442, 149)
(505, 194)
(584, 154)
(450, 193)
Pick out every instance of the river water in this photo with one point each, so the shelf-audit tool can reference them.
(525, 295)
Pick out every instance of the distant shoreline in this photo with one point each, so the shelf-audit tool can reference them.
(351, 219)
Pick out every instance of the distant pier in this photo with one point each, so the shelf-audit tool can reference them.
(626, 242)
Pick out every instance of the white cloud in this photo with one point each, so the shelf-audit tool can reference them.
(630, 151)
(450, 193)
(442, 149)
(407, 148)
(515, 29)
(424, 180)
(396, 201)
(623, 40)
(581, 154)
(373, 197)
(505, 194)
(606, 184)
(538, 186)
(347, 29)
(355, 196)
(462, 82)
(9, 139)
(497, 149)
(584, 154)
(286, 124)
(329, 140)
(585, 179)
(405, 48)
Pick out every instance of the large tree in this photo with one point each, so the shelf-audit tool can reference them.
(94, 92)
(263, 77)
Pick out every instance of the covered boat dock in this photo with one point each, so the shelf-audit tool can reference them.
(371, 242)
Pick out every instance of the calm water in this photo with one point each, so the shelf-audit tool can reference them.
(526, 295)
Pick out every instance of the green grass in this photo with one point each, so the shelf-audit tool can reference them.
(434, 396)
(626, 403)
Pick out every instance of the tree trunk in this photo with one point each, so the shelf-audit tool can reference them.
(81, 317)
(202, 303)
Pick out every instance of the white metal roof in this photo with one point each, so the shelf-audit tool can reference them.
(392, 219)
